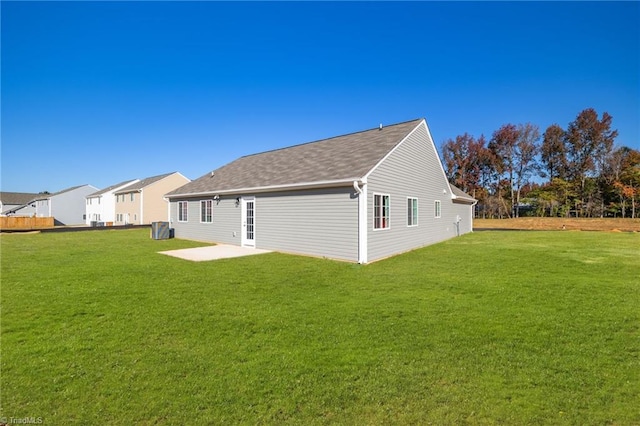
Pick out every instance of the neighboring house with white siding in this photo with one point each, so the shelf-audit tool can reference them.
(360, 197)
(143, 202)
(67, 207)
(101, 205)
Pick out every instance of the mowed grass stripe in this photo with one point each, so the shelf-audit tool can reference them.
(488, 328)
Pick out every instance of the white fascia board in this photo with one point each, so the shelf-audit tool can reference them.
(180, 174)
(273, 188)
(435, 151)
(114, 190)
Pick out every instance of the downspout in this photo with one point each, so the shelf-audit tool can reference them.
(473, 209)
(362, 220)
(141, 209)
(166, 200)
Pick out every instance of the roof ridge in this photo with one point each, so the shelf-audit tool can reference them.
(329, 138)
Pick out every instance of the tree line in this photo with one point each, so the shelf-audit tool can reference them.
(573, 171)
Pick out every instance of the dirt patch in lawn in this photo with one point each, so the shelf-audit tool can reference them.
(559, 223)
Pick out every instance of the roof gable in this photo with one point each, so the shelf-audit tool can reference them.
(341, 158)
(48, 196)
(136, 186)
(111, 188)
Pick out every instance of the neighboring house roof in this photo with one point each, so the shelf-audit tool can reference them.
(460, 195)
(110, 188)
(337, 159)
(137, 186)
(47, 196)
(17, 198)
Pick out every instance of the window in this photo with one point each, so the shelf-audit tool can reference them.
(206, 211)
(380, 211)
(437, 208)
(133, 196)
(412, 211)
(182, 211)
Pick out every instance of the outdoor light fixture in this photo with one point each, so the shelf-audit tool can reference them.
(237, 201)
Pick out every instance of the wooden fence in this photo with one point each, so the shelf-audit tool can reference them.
(21, 223)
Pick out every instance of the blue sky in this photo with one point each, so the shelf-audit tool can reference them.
(103, 92)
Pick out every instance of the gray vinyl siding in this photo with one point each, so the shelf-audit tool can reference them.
(226, 221)
(466, 217)
(412, 170)
(318, 223)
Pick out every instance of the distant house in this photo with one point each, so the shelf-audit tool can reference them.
(143, 202)
(360, 197)
(67, 207)
(17, 203)
(101, 205)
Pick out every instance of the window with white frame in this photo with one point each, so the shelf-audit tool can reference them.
(183, 207)
(412, 211)
(438, 210)
(381, 211)
(206, 211)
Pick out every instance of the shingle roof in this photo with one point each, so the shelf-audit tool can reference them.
(460, 195)
(110, 188)
(346, 157)
(46, 196)
(142, 183)
(17, 198)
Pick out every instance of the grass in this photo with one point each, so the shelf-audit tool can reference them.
(489, 328)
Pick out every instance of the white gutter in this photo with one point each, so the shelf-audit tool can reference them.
(271, 188)
(362, 221)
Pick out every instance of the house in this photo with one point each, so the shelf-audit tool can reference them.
(360, 197)
(17, 203)
(101, 205)
(143, 202)
(67, 207)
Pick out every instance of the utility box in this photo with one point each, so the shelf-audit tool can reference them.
(160, 230)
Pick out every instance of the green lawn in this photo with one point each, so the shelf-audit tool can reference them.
(490, 328)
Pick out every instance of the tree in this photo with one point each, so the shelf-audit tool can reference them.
(553, 155)
(502, 146)
(623, 172)
(516, 148)
(525, 163)
(587, 142)
(463, 159)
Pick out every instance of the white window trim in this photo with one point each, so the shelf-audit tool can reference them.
(415, 219)
(437, 212)
(205, 201)
(373, 200)
(183, 220)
